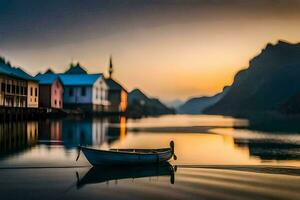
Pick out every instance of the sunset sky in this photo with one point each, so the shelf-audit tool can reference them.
(172, 49)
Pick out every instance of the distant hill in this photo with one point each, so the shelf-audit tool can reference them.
(197, 105)
(140, 104)
(174, 103)
(270, 80)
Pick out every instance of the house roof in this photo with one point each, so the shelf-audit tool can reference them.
(15, 72)
(77, 69)
(47, 78)
(114, 85)
(79, 79)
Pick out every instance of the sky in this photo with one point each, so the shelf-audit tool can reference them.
(171, 49)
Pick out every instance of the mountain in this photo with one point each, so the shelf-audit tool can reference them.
(292, 105)
(140, 104)
(196, 105)
(270, 80)
(174, 103)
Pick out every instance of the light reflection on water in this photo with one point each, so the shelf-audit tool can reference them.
(54, 142)
(37, 160)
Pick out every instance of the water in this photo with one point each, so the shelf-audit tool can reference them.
(218, 157)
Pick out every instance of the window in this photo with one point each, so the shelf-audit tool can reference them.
(25, 91)
(31, 91)
(17, 89)
(21, 89)
(3, 87)
(36, 92)
(101, 94)
(71, 92)
(13, 89)
(83, 91)
(59, 103)
(55, 102)
(8, 88)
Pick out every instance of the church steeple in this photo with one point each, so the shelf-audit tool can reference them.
(110, 70)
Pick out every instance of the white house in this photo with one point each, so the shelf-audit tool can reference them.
(86, 92)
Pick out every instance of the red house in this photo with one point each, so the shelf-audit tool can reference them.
(50, 90)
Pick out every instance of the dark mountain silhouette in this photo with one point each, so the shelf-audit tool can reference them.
(140, 104)
(197, 105)
(292, 105)
(270, 80)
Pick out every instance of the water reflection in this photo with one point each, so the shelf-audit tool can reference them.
(271, 150)
(17, 136)
(52, 142)
(266, 146)
(106, 174)
(87, 132)
(50, 131)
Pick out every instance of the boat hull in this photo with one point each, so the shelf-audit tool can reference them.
(100, 157)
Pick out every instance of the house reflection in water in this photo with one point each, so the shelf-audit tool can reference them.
(17, 136)
(50, 131)
(87, 132)
(117, 128)
(92, 131)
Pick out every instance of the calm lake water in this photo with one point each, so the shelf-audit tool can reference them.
(218, 158)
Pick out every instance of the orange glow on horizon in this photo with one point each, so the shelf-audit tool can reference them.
(172, 60)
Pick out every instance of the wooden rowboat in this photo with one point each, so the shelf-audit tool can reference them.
(128, 156)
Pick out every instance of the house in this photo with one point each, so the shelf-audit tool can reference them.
(17, 88)
(32, 94)
(51, 90)
(32, 89)
(76, 69)
(87, 92)
(117, 94)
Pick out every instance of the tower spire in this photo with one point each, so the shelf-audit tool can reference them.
(111, 70)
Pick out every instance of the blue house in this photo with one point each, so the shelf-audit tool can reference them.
(84, 91)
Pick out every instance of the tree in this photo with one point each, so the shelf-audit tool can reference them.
(2, 60)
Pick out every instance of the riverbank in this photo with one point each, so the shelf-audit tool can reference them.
(24, 114)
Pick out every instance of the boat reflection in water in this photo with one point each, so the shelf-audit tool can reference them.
(104, 174)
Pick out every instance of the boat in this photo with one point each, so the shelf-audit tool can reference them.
(127, 156)
(104, 174)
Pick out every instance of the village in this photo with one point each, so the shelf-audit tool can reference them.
(75, 91)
